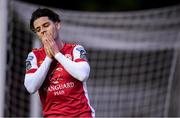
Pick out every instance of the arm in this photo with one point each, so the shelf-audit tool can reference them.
(79, 70)
(34, 80)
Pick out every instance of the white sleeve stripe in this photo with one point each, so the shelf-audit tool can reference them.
(79, 71)
(33, 81)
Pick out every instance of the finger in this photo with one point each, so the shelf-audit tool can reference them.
(50, 37)
(50, 42)
(45, 42)
(48, 46)
(48, 50)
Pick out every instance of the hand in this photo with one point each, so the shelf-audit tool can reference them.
(50, 45)
(47, 50)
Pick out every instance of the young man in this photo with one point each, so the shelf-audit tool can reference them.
(58, 71)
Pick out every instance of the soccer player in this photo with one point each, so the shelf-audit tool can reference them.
(57, 70)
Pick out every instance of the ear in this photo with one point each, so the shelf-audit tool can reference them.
(58, 25)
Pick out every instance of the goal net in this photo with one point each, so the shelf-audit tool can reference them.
(133, 57)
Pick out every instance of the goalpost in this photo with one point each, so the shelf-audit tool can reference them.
(3, 51)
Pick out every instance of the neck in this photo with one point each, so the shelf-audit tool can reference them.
(60, 43)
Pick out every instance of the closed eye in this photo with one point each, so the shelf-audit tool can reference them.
(45, 25)
(38, 29)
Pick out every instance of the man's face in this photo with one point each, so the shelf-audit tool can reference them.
(44, 26)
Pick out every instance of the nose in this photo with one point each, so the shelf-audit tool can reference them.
(43, 31)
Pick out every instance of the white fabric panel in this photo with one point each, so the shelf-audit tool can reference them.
(79, 70)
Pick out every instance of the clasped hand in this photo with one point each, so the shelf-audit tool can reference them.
(50, 46)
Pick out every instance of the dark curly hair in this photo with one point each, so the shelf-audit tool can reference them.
(40, 12)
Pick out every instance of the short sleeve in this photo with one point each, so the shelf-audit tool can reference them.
(31, 63)
(79, 54)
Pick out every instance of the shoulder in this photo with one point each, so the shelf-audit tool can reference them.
(79, 47)
(74, 46)
(31, 56)
(39, 52)
(36, 50)
(69, 45)
(79, 53)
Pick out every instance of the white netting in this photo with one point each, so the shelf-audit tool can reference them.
(132, 57)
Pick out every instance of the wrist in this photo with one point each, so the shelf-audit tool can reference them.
(59, 54)
(48, 59)
(56, 53)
